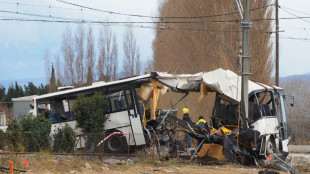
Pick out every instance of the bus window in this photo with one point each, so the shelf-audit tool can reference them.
(117, 101)
(261, 105)
(129, 99)
(61, 111)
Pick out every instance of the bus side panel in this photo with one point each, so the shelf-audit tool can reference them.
(137, 128)
(117, 120)
(131, 138)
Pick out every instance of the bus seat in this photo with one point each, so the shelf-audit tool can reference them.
(257, 114)
(251, 110)
(223, 112)
(266, 110)
(117, 105)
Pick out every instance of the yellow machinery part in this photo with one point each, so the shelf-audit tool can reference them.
(144, 117)
(225, 130)
(211, 152)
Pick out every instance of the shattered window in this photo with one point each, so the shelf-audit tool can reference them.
(261, 105)
(117, 101)
(61, 111)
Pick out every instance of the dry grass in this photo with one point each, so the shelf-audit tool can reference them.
(46, 163)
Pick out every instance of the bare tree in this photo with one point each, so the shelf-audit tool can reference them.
(80, 57)
(68, 55)
(107, 61)
(298, 115)
(132, 62)
(195, 47)
(47, 64)
(114, 60)
(101, 57)
(59, 70)
(90, 56)
(149, 67)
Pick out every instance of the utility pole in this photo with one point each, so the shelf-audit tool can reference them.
(277, 43)
(245, 25)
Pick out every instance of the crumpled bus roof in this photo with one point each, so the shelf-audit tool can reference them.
(225, 82)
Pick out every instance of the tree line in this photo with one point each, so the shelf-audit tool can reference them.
(15, 90)
(81, 61)
(298, 116)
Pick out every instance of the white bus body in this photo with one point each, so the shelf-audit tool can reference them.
(123, 111)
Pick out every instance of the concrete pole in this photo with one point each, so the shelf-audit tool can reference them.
(245, 25)
(277, 43)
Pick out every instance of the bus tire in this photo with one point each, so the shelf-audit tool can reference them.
(115, 144)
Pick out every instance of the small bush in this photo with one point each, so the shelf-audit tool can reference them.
(36, 133)
(15, 137)
(64, 140)
(90, 117)
(90, 112)
(3, 139)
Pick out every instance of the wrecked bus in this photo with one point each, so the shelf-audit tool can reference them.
(123, 110)
(266, 133)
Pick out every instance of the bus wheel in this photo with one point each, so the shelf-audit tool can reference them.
(115, 144)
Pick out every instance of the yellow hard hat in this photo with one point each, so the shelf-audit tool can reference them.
(185, 110)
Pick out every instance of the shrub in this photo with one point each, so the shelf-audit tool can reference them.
(15, 137)
(90, 116)
(3, 139)
(36, 133)
(64, 140)
(90, 112)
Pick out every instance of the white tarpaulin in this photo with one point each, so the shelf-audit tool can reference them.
(226, 82)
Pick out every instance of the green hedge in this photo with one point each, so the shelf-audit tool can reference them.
(15, 137)
(64, 140)
(90, 112)
(36, 133)
(90, 117)
(3, 139)
(30, 134)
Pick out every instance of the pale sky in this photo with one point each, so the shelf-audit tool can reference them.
(23, 44)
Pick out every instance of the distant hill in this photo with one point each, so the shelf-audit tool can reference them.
(22, 82)
(305, 77)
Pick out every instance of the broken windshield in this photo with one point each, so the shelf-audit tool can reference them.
(261, 105)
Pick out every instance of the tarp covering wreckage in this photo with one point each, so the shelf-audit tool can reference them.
(225, 82)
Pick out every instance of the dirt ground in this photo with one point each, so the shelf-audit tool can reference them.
(48, 164)
(150, 169)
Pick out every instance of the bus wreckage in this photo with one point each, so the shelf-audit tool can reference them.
(264, 142)
(264, 139)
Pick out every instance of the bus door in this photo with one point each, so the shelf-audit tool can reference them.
(135, 119)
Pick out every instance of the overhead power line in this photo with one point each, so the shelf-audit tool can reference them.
(36, 5)
(295, 38)
(296, 28)
(68, 20)
(158, 17)
(35, 15)
(74, 20)
(301, 18)
(294, 10)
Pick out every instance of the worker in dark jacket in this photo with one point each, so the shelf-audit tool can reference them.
(203, 128)
(202, 125)
(187, 118)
